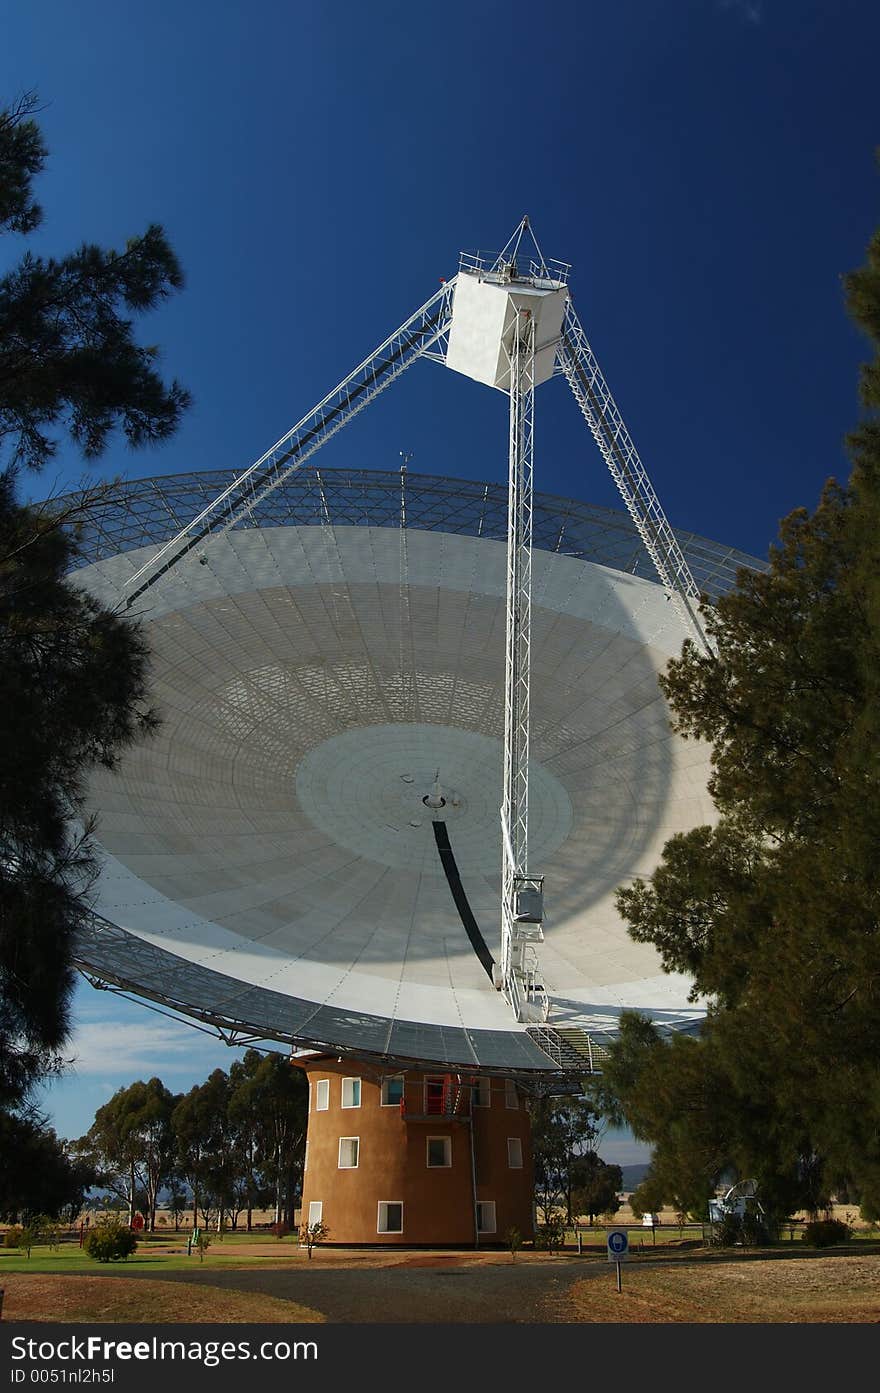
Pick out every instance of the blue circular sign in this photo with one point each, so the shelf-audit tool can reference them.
(618, 1242)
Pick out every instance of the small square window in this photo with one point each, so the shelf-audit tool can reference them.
(348, 1153)
(322, 1095)
(511, 1098)
(439, 1151)
(351, 1093)
(514, 1153)
(316, 1212)
(392, 1091)
(485, 1216)
(390, 1217)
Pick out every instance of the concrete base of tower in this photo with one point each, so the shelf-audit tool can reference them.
(415, 1159)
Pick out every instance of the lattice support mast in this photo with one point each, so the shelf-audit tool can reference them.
(518, 962)
(385, 364)
(593, 395)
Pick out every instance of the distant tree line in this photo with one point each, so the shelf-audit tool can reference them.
(232, 1144)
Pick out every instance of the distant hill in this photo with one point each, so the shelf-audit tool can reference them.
(633, 1175)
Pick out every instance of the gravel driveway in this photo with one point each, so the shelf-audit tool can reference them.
(436, 1289)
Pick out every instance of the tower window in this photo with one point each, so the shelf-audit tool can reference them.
(390, 1217)
(351, 1093)
(511, 1099)
(392, 1091)
(514, 1153)
(439, 1151)
(316, 1212)
(485, 1216)
(348, 1153)
(322, 1095)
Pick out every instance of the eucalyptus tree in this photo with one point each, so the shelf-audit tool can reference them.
(245, 1120)
(271, 1096)
(132, 1144)
(563, 1131)
(202, 1146)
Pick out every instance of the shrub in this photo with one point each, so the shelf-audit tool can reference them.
(822, 1233)
(203, 1243)
(280, 1230)
(514, 1239)
(111, 1241)
(312, 1234)
(728, 1231)
(551, 1234)
(13, 1236)
(50, 1233)
(758, 1230)
(28, 1238)
(869, 1210)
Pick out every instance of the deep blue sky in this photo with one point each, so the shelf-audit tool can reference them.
(706, 165)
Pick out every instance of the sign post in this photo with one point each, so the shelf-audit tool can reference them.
(618, 1250)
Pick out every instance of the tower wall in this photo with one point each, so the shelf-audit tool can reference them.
(423, 1156)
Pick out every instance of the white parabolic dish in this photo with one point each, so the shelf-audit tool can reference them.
(271, 864)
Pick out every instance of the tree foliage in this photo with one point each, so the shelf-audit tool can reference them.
(200, 1127)
(111, 1241)
(22, 156)
(563, 1129)
(268, 1110)
(595, 1185)
(72, 674)
(775, 911)
(240, 1138)
(72, 695)
(131, 1144)
(68, 356)
(38, 1173)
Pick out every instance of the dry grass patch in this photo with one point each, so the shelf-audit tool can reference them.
(70, 1297)
(841, 1290)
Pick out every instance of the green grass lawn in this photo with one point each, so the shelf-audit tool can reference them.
(237, 1249)
(642, 1240)
(638, 1237)
(69, 1257)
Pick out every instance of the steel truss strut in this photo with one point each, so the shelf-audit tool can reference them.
(420, 332)
(593, 395)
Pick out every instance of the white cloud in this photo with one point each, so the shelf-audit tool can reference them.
(145, 1047)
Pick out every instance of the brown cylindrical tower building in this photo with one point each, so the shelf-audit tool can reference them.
(416, 1158)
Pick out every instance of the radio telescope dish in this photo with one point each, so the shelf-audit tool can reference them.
(308, 850)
